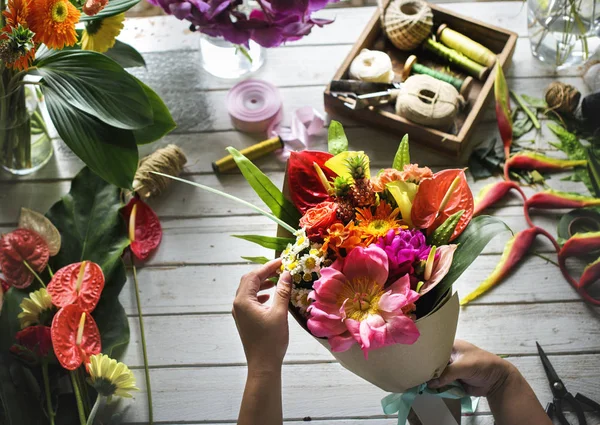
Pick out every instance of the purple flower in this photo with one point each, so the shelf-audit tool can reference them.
(405, 250)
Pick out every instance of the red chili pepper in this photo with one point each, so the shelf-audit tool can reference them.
(537, 161)
(304, 184)
(79, 283)
(22, 251)
(32, 344)
(590, 274)
(145, 231)
(552, 199)
(514, 251)
(493, 193)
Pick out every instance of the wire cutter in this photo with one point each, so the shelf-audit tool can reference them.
(561, 396)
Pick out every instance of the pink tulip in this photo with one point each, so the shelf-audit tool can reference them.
(353, 305)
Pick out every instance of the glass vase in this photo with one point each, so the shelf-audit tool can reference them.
(25, 141)
(226, 60)
(563, 33)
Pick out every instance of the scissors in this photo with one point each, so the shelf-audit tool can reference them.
(362, 95)
(561, 396)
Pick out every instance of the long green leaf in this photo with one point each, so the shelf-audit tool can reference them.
(125, 55)
(269, 242)
(257, 260)
(113, 8)
(97, 85)
(593, 168)
(402, 157)
(266, 190)
(163, 121)
(110, 152)
(480, 231)
(233, 198)
(336, 138)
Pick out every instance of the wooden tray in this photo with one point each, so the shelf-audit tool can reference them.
(500, 41)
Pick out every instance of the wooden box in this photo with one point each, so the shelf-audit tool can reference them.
(500, 41)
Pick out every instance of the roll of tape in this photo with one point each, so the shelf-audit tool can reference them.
(253, 105)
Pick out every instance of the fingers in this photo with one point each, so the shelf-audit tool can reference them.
(267, 284)
(451, 373)
(251, 282)
(283, 293)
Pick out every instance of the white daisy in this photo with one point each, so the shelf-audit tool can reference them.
(300, 299)
(310, 263)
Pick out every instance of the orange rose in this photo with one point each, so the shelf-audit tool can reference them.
(414, 174)
(318, 218)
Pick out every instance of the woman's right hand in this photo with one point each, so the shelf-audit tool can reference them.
(480, 372)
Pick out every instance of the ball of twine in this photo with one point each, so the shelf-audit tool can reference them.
(168, 160)
(407, 23)
(562, 97)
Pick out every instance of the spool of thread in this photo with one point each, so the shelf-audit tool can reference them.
(407, 23)
(252, 152)
(372, 66)
(253, 105)
(562, 97)
(468, 47)
(411, 66)
(428, 101)
(458, 59)
(591, 75)
(168, 160)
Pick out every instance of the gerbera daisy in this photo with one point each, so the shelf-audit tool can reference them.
(17, 46)
(374, 226)
(53, 22)
(101, 34)
(35, 308)
(110, 377)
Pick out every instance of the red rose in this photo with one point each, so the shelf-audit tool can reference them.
(317, 219)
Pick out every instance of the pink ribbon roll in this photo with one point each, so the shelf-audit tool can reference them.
(254, 105)
(306, 122)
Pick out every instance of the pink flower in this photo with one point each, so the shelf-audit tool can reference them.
(352, 305)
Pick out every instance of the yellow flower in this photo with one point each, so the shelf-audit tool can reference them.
(374, 226)
(339, 164)
(110, 377)
(101, 34)
(34, 307)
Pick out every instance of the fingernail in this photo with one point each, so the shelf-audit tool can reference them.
(434, 383)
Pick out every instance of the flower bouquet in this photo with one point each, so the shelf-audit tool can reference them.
(373, 256)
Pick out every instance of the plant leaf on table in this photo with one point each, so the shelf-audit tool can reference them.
(163, 122)
(269, 242)
(125, 55)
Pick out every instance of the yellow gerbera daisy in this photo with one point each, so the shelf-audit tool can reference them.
(35, 308)
(110, 377)
(374, 226)
(101, 34)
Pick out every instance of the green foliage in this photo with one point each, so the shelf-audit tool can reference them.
(521, 126)
(569, 143)
(266, 190)
(402, 157)
(269, 242)
(162, 120)
(336, 138)
(535, 102)
(113, 8)
(125, 55)
(18, 390)
(593, 168)
(92, 229)
(441, 235)
(257, 260)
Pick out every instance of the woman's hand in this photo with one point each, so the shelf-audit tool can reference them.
(480, 372)
(263, 330)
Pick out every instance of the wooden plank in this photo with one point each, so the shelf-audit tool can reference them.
(321, 391)
(212, 339)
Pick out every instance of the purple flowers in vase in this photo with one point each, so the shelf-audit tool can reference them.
(269, 25)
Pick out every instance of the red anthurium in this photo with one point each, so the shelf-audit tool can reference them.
(75, 336)
(306, 189)
(446, 193)
(145, 232)
(32, 343)
(20, 252)
(79, 283)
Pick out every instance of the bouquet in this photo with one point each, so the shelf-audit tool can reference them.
(373, 256)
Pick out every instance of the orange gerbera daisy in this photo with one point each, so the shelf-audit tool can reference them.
(374, 226)
(16, 14)
(53, 22)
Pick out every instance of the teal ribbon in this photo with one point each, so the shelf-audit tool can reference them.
(402, 403)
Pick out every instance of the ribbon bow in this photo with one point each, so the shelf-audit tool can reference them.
(306, 122)
(402, 403)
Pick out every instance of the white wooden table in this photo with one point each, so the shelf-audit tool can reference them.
(197, 361)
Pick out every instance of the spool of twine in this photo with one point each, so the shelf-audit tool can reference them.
(407, 23)
(411, 66)
(428, 101)
(456, 58)
(468, 47)
(562, 97)
(168, 160)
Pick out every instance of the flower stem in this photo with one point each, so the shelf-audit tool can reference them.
(78, 399)
(51, 413)
(50, 270)
(144, 349)
(37, 276)
(97, 404)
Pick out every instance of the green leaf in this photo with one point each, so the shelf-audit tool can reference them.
(18, 402)
(593, 169)
(525, 109)
(535, 102)
(110, 152)
(402, 157)
(125, 55)
(442, 234)
(266, 190)
(337, 141)
(92, 229)
(97, 85)
(257, 260)
(163, 121)
(522, 126)
(9, 324)
(269, 242)
(113, 8)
